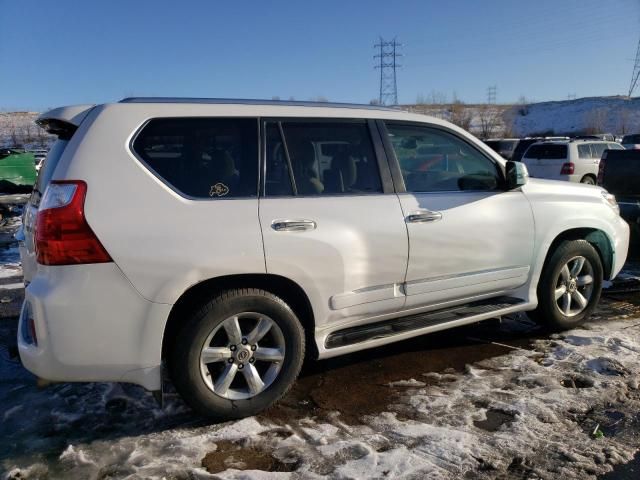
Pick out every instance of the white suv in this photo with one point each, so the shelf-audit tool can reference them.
(219, 238)
(572, 160)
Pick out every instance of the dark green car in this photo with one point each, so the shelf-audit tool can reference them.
(17, 171)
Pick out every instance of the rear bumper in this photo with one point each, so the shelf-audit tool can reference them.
(92, 325)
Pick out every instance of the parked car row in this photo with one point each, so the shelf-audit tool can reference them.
(569, 160)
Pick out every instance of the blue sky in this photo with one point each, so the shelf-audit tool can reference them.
(72, 51)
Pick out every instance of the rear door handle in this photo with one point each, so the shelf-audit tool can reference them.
(293, 225)
(423, 216)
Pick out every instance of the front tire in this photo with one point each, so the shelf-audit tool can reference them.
(570, 286)
(238, 355)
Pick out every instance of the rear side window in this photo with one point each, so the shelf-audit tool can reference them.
(584, 151)
(320, 158)
(597, 149)
(547, 152)
(202, 157)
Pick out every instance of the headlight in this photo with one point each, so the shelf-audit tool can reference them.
(611, 201)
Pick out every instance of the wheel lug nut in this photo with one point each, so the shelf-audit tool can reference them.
(241, 366)
(232, 348)
(251, 360)
(244, 341)
(253, 348)
(230, 360)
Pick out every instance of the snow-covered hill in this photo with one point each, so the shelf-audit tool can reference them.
(616, 115)
(18, 129)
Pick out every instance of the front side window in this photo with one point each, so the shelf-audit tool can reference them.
(202, 157)
(320, 158)
(433, 160)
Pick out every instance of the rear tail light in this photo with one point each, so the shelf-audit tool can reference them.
(63, 236)
(567, 169)
(603, 162)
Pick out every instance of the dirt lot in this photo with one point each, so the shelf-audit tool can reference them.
(495, 400)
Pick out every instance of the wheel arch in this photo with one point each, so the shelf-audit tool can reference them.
(597, 238)
(196, 295)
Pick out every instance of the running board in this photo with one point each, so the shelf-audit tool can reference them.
(395, 326)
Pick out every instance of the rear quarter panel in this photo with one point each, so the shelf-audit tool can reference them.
(163, 242)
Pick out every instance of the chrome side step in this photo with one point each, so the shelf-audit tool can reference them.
(396, 326)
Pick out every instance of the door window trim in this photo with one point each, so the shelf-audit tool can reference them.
(386, 180)
(394, 163)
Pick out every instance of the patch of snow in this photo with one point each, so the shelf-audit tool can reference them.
(412, 382)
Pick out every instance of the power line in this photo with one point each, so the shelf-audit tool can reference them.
(636, 71)
(491, 94)
(388, 56)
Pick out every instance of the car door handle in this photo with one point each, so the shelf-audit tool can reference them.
(424, 216)
(293, 225)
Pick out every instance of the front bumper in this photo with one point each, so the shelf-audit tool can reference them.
(91, 325)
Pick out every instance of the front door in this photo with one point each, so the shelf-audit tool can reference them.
(468, 237)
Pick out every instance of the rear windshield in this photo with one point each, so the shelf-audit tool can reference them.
(631, 139)
(50, 164)
(547, 152)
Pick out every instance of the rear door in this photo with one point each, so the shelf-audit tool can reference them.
(330, 219)
(468, 237)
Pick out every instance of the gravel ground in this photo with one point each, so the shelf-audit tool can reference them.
(495, 400)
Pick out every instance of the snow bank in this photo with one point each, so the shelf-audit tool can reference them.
(596, 114)
(526, 413)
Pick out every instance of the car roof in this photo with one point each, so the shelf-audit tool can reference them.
(245, 101)
(167, 106)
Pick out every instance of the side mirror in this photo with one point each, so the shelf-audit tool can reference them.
(517, 174)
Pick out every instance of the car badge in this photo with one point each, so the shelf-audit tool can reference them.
(218, 190)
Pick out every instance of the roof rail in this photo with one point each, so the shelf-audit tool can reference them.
(244, 101)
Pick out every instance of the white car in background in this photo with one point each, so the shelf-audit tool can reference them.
(223, 237)
(569, 160)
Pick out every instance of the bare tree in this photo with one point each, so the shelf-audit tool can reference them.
(523, 106)
(459, 114)
(624, 125)
(596, 121)
(488, 116)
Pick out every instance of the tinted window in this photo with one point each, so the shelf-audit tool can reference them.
(547, 151)
(584, 151)
(203, 157)
(326, 158)
(433, 160)
(631, 139)
(522, 147)
(615, 146)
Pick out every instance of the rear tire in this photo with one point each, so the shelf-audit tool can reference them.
(588, 180)
(569, 287)
(238, 355)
